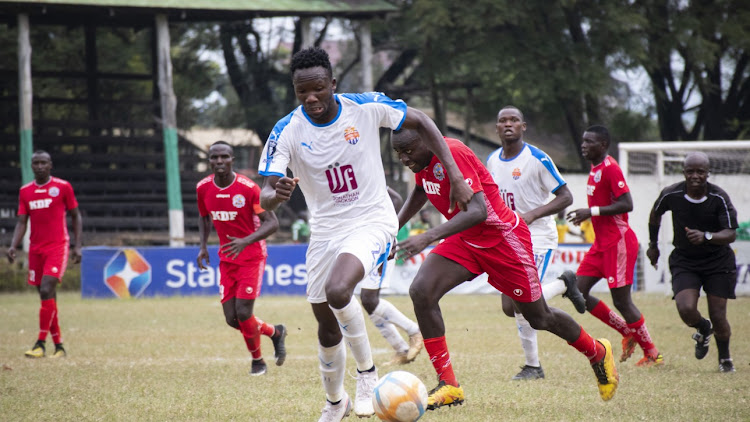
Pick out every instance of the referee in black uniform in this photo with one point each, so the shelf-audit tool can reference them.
(705, 223)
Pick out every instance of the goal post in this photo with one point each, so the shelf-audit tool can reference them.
(649, 167)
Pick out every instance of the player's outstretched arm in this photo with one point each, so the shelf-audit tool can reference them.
(276, 190)
(622, 205)
(416, 200)
(476, 212)
(461, 193)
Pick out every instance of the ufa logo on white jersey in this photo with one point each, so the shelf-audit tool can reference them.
(224, 215)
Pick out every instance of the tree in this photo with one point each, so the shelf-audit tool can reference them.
(696, 56)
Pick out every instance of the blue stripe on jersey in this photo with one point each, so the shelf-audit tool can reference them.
(336, 97)
(544, 158)
(273, 137)
(378, 97)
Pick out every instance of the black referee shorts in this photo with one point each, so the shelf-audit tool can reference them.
(717, 273)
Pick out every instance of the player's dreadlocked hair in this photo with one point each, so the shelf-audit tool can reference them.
(311, 57)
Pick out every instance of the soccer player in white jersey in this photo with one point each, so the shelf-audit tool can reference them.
(331, 143)
(526, 176)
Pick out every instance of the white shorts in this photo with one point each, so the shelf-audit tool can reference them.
(369, 243)
(376, 280)
(542, 258)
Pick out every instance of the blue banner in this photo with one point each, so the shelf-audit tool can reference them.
(163, 271)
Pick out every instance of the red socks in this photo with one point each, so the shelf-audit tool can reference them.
(592, 349)
(251, 329)
(640, 333)
(47, 314)
(441, 360)
(602, 311)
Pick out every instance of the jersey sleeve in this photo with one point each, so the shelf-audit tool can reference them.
(257, 209)
(616, 181)
(23, 208)
(390, 113)
(661, 205)
(70, 198)
(276, 153)
(467, 162)
(727, 215)
(550, 176)
(202, 211)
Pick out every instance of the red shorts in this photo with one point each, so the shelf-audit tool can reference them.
(242, 281)
(509, 264)
(51, 262)
(615, 263)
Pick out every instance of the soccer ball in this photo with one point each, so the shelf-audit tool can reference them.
(399, 396)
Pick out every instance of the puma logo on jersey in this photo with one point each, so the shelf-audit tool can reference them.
(40, 203)
(431, 188)
(224, 215)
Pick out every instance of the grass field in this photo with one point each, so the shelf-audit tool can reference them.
(174, 359)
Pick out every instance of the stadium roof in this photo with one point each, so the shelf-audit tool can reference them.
(204, 9)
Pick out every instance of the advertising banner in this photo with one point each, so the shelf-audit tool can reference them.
(163, 271)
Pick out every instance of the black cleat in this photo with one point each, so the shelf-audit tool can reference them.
(572, 292)
(529, 373)
(726, 366)
(702, 340)
(279, 348)
(258, 368)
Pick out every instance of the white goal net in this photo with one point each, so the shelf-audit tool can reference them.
(649, 167)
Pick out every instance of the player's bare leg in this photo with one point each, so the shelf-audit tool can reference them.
(436, 277)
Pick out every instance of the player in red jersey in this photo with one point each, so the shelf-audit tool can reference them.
(45, 202)
(614, 252)
(232, 202)
(487, 237)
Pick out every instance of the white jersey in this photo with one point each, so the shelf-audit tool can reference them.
(338, 164)
(525, 182)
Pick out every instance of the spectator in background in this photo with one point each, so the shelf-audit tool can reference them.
(422, 224)
(705, 223)
(231, 202)
(301, 228)
(44, 202)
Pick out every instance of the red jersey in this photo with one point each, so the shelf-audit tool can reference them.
(607, 183)
(434, 180)
(234, 211)
(47, 206)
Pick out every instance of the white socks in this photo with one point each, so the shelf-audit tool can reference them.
(332, 363)
(391, 314)
(352, 325)
(553, 288)
(528, 340)
(390, 333)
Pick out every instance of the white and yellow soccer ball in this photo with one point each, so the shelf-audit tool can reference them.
(400, 396)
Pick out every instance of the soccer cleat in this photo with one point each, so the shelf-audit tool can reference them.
(529, 373)
(606, 372)
(399, 358)
(258, 368)
(444, 395)
(59, 352)
(702, 341)
(415, 346)
(336, 412)
(279, 348)
(572, 292)
(366, 382)
(651, 360)
(36, 351)
(628, 347)
(726, 366)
